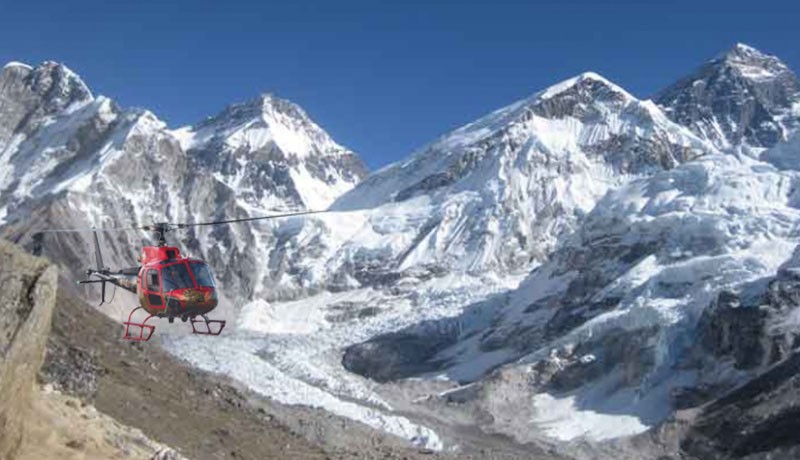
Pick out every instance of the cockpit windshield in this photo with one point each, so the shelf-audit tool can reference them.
(176, 277)
(202, 274)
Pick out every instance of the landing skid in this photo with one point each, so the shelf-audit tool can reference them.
(145, 330)
(210, 326)
(142, 332)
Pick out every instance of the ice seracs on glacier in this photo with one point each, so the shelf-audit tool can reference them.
(620, 325)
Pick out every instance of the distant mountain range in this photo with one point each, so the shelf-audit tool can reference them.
(581, 264)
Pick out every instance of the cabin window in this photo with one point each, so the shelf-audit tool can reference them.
(176, 277)
(202, 274)
(170, 254)
(152, 281)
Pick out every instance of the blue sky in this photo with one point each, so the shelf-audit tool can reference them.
(382, 77)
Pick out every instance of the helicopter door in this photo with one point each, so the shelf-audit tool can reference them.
(154, 289)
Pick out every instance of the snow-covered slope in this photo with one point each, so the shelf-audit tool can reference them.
(740, 99)
(785, 155)
(409, 275)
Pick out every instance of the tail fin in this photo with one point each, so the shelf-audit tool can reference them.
(101, 267)
(98, 256)
(101, 270)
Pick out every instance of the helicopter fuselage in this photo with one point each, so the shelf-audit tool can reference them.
(171, 285)
(168, 284)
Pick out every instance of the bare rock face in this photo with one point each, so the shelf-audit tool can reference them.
(27, 298)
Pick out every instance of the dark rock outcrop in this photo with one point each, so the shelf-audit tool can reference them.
(759, 420)
(71, 369)
(401, 354)
(752, 335)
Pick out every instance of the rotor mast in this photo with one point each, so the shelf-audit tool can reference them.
(159, 232)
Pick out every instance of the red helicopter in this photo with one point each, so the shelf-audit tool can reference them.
(168, 284)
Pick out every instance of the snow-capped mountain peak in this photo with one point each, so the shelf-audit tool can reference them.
(744, 52)
(269, 142)
(261, 123)
(742, 98)
(557, 101)
(87, 158)
(586, 112)
(587, 80)
(57, 84)
(753, 64)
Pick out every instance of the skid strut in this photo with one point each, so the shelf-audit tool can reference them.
(209, 326)
(145, 330)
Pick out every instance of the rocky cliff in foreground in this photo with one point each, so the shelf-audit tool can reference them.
(36, 424)
(27, 297)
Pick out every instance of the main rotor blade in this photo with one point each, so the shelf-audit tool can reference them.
(231, 221)
(155, 227)
(90, 229)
